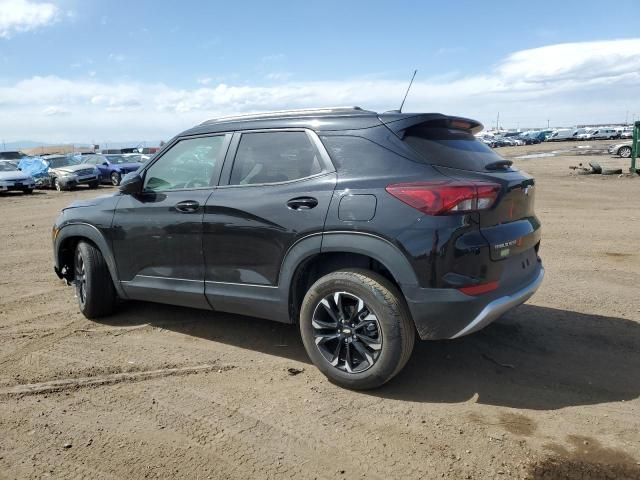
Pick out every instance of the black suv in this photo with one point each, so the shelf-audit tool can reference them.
(362, 227)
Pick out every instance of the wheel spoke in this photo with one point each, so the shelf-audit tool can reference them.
(337, 298)
(363, 351)
(336, 354)
(320, 339)
(369, 342)
(330, 310)
(348, 360)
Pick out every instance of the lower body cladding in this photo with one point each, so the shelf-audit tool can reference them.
(448, 313)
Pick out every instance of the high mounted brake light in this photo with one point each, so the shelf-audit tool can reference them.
(446, 197)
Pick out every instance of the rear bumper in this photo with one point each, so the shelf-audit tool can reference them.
(448, 313)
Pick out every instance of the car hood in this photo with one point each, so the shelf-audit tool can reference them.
(92, 202)
(623, 144)
(14, 175)
(73, 168)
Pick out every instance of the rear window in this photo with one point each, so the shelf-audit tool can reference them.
(450, 148)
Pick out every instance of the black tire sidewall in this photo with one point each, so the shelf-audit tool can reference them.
(117, 177)
(391, 352)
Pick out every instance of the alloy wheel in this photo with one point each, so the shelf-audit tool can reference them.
(81, 279)
(347, 332)
(625, 152)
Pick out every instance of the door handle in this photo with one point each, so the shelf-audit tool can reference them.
(302, 203)
(187, 206)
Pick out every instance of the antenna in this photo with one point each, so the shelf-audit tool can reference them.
(407, 92)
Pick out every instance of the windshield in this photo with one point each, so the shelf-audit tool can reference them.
(11, 155)
(450, 148)
(60, 162)
(7, 167)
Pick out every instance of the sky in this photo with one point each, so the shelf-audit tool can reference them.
(109, 70)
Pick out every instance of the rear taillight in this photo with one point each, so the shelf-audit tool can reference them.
(446, 197)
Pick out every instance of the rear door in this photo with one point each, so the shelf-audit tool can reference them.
(275, 189)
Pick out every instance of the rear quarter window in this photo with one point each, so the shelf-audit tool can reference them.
(450, 148)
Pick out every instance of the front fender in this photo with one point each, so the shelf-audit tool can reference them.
(90, 232)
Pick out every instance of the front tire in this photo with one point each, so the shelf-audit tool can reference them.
(28, 191)
(94, 287)
(94, 185)
(356, 328)
(57, 185)
(625, 152)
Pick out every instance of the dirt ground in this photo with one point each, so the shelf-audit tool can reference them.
(551, 391)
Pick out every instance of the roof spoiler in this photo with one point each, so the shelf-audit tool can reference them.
(399, 123)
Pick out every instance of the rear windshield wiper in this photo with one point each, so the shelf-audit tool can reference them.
(498, 165)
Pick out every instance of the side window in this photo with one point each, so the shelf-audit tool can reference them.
(190, 163)
(90, 160)
(270, 157)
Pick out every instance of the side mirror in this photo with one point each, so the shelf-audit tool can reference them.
(106, 164)
(131, 184)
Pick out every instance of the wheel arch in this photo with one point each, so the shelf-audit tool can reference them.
(65, 244)
(320, 255)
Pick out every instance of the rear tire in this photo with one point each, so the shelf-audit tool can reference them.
(115, 179)
(370, 328)
(57, 185)
(94, 185)
(28, 191)
(94, 286)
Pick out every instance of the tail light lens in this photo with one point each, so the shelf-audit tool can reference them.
(446, 197)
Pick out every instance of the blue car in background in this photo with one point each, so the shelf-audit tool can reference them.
(113, 167)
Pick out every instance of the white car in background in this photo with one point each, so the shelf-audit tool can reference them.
(626, 133)
(601, 134)
(562, 134)
(622, 149)
(11, 178)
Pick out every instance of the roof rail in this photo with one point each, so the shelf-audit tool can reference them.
(278, 113)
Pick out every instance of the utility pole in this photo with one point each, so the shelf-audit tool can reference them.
(626, 117)
(547, 124)
(498, 122)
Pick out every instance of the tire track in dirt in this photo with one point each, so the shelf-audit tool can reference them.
(249, 444)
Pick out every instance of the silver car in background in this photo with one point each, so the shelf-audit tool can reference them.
(11, 178)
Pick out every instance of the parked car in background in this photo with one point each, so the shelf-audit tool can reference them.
(272, 216)
(113, 167)
(626, 133)
(621, 149)
(562, 134)
(66, 173)
(601, 134)
(12, 155)
(12, 179)
(529, 138)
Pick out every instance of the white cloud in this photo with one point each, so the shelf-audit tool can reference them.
(18, 16)
(567, 83)
(54, 110)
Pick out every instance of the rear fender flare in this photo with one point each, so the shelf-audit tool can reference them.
(370, 245)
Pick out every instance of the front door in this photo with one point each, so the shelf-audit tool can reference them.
(157, 234)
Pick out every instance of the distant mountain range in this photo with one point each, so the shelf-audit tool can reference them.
(24, 144)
